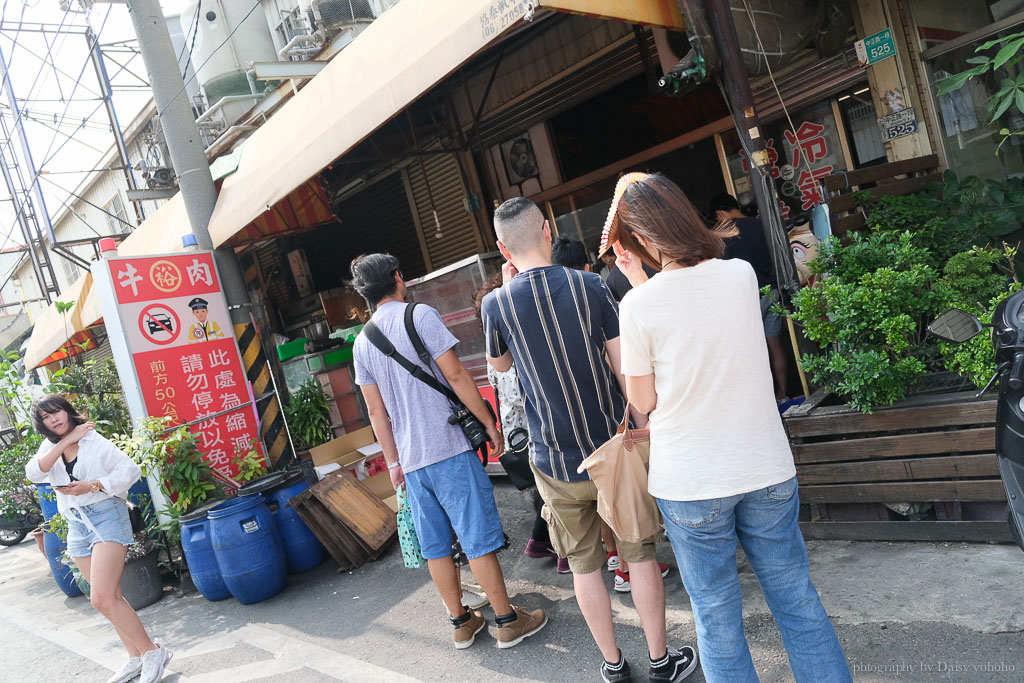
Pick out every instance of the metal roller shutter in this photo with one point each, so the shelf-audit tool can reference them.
(460, 235)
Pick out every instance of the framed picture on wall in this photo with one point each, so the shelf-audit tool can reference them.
(520, 160)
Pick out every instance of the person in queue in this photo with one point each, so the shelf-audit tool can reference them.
(446, 483)
(512, 416)
(749, 243)
(571, 253)
(91, 478)
(560, 328)
(691, 343)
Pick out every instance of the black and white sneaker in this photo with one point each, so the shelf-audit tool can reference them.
(674, 666)
(616, 673)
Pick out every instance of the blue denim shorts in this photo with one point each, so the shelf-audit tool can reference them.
(109, 521)
(454, 494)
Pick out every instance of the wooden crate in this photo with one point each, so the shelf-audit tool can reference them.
(349, 519)
(938, 449)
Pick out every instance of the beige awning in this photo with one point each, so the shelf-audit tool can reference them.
(400, 56)
(54, 334)
(159, 234)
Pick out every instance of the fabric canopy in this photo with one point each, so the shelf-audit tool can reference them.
(399, 56)
(53, 335)
(159, 234)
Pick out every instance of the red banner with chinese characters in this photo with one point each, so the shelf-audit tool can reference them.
(179, 333)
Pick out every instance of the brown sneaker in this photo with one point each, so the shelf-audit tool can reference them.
(526, 624)
(465, 633)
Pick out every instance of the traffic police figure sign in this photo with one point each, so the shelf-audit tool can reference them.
(203, 329)
(173, 313)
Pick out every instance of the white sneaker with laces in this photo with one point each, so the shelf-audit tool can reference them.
(130, 670)
(154, 662)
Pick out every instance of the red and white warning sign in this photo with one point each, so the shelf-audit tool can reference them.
(159, 324)
(176, 323)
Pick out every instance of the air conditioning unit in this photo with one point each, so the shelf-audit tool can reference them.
(336, 14)
(159, 177)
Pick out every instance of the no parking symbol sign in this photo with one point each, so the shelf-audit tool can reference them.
(159, 324)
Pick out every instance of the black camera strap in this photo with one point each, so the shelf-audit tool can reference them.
(384, 345)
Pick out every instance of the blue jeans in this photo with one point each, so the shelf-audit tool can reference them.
(703, 534)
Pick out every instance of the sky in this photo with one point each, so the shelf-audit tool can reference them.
(65, 122)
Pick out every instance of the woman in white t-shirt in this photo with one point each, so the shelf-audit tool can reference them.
(694, 356)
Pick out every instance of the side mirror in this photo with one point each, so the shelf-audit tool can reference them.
(955, 326)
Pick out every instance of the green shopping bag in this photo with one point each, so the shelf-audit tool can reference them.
(411, 554)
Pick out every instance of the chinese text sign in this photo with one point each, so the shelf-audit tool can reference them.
(178, 331)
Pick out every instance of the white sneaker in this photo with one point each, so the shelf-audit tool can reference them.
(474, 599)
(154, 662)
(130, 670)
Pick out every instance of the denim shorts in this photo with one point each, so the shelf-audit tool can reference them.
(109, 521)
(454, 495)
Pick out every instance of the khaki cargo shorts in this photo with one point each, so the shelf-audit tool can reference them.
(570, 509)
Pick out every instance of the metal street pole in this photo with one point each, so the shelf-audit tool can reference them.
(741, 101)
(185, 144)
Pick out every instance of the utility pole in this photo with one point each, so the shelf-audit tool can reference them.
(741, 101)
(185, 144)
(108, 101)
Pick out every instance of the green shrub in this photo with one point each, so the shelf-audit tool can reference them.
(870, 314)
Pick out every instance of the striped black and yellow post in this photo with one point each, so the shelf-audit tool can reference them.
(272, 427)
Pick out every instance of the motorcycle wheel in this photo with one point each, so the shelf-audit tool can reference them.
(9, 537)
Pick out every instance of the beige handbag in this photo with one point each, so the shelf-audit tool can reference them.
(619, 470)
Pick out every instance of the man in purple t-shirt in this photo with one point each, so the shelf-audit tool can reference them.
(447, 487)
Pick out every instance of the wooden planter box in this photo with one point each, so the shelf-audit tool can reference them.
(937, 449)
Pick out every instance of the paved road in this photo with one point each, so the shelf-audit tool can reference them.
(904, 612)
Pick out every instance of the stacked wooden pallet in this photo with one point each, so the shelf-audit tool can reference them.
(349, 519)
(928, 449)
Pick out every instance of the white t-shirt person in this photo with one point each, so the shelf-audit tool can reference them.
(716, 430)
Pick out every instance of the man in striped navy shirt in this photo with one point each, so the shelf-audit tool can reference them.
(561, 329)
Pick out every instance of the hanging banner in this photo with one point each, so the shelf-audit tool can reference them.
(173, 314)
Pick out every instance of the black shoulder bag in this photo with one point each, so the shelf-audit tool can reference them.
(461, 416)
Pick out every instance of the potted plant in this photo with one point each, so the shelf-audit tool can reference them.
(308, 414)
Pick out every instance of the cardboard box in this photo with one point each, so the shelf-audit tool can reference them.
(357, 453)
(344, 449)
(381, 486)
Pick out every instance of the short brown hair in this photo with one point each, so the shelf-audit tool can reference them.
(657, 210)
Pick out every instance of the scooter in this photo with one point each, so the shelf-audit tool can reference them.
(13, 530)
(958, 326)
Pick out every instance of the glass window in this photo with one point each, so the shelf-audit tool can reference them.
(970, 140)
(798, 161)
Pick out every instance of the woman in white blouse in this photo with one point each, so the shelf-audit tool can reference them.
(91, 478)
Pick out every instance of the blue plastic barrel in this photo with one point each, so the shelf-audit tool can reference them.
(248, 549)
(302, 549)
(202, 564)
(62, 574)
(55, 547)
(47, 500)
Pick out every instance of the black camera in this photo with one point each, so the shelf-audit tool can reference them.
(471, 427)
